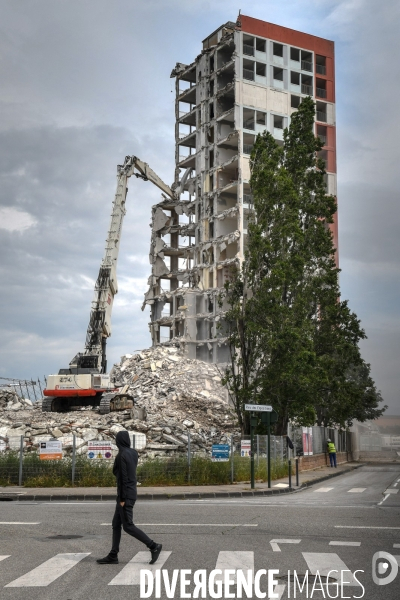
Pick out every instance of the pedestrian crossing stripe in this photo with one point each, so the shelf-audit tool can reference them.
(49, 571)
(3, 557)
(130, 574)
(55, 567)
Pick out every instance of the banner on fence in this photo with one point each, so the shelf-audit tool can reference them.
(307, 441)
(245, 448)
(50, 450)
(220, 452)
(99, 450)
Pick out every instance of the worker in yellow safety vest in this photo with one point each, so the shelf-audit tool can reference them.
(332, 452)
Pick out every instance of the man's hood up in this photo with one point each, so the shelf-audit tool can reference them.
(123, 440)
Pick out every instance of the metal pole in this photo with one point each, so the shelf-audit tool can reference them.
(34, 390)
(269, 447)
(73, 459)
(21, 453)
(134, 441)
(297, 470)
(189, 456)
(40, 387)
(251, 452)
(232, 467)
(290, 473)
(258, 449)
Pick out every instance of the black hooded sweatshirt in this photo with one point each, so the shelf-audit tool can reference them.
(125, 467)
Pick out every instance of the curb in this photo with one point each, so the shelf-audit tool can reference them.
(307, 484)
(20, 497)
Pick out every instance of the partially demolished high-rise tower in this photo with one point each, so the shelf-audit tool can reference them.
(250, 76)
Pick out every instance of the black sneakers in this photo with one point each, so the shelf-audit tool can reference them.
(108, 560)
(155, 553)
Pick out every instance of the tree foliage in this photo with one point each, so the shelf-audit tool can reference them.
(293, 343)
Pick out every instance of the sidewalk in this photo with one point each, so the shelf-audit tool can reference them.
(237, 490)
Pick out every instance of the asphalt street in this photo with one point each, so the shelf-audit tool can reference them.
(338, 525)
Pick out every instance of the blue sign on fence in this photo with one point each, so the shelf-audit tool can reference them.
(220, 452)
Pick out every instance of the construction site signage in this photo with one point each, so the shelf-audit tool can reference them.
(220, 452)
(245, 448)
(51, 450)
(99, 450)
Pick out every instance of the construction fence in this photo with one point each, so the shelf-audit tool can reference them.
(195, 468)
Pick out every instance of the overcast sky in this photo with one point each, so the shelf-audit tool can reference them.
(86, 82)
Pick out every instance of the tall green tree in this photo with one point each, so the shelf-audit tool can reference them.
(288, 331)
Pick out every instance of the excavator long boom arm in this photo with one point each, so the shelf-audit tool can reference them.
(99, 329)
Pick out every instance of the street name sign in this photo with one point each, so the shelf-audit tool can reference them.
(258, 407)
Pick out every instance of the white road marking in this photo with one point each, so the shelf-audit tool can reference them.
(395, 484)
(363, 527)
(4, 557)
(324, 563)
(236, 560)
(356, 490)
(323, 489)
(191, 524)
(281, 485)
(344, 543)
(49, 571)
(275, 547)
(17, 523)
(391, 491)
(130, 574)
(383, 500)
(396, 545)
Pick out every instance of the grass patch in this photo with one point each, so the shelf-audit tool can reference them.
(153, 472)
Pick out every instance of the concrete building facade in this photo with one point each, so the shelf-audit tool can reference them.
(250, 76)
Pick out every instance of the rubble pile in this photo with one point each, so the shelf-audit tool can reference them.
(173, 395)
(9, 400)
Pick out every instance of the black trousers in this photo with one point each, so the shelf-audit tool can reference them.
(123, 517)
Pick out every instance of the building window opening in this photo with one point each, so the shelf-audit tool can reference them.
(248, 70)
(321, 112)
(248, 45)
(210, 304)
(260, 118)
(295, 54)
(211, 64)
(211, 159)
(248, 143)
(306, 61)
(278, 74)
(261, 69)
(295, 101)
(321, 88)
(260, 45)
(278, 122)
(278, 50)
(294, 78)
(212, 88)
(306, 85)
(322, 133)
(320, 64)
(211, 108)
(248, 118)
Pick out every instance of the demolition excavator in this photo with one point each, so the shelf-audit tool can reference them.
(86, 382)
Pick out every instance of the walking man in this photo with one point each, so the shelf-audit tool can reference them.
(332, 452)
(125, 471)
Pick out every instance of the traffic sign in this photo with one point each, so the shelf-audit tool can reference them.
(258, 407)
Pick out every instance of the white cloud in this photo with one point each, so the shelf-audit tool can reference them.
(13, 219)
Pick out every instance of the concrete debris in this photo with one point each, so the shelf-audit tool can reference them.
(9, 400)
(173, 395)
